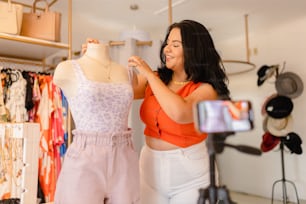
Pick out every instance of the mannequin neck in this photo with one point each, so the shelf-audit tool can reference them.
(99, 52)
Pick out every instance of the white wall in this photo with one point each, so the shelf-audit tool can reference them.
(253, 174)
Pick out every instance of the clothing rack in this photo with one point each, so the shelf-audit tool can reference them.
(45, 67)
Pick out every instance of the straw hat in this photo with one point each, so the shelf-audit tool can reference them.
(279, 126)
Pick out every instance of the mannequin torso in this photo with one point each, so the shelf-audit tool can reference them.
(96, 65)
(100, 94)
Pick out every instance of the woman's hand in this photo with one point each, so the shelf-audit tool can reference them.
(88, 40)
(140, 65)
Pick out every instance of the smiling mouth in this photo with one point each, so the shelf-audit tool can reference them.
(169, 58)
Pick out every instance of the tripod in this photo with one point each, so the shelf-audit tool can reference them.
(283, 180)
(215, 144)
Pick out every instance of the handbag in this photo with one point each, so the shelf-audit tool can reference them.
(43, 25)
(10, 17)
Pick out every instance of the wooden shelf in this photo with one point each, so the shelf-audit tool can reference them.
(16, 47)
(22, 47)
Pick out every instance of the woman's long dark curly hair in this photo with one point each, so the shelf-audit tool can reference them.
(201, 60)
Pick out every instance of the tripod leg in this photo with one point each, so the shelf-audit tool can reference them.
(224, 196)
(203, 196)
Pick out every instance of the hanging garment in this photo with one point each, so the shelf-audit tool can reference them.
(15, 102)
(4, 114)
(49, 116)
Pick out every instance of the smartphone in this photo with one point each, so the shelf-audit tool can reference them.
(216, 116)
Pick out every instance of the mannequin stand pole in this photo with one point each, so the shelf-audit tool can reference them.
(283, 181)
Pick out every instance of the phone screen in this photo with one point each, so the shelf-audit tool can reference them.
(223, 116)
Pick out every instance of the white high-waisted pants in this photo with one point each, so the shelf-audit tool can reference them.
(174, 176)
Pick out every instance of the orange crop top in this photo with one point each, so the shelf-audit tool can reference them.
(159, 125)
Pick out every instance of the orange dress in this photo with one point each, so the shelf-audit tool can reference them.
(49, 115)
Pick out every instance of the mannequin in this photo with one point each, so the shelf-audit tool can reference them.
(100, 165)
(96, 65)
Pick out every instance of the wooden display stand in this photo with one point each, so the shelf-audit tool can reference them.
(28, 135)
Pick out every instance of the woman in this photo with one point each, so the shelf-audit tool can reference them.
(174, 163)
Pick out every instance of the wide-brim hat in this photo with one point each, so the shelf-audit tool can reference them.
(264, 73)
(269, 141)
(293, 142)
(289, 84)
(279, 106)
(279, 127)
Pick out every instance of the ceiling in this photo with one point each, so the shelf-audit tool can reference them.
(224, 18)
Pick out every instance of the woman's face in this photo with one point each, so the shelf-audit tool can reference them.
(174, 50)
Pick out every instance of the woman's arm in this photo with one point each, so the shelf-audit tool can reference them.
(176, 107)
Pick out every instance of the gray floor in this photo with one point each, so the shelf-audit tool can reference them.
(242, 198)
